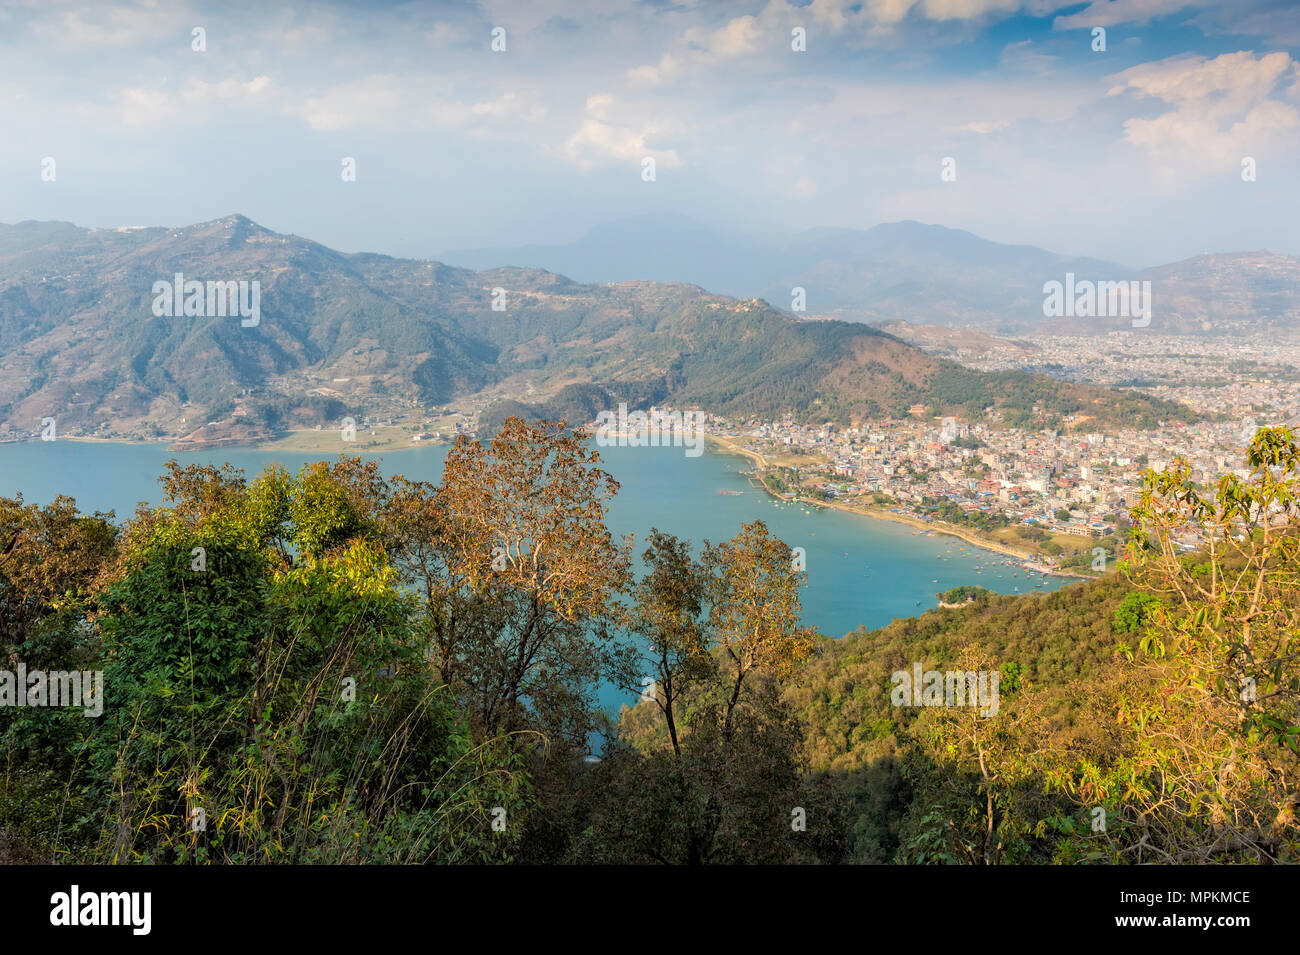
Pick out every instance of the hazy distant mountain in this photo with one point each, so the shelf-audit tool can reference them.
(79, 340)
(898, 270)
(922, 274)
(660, 248)
(1229, 293)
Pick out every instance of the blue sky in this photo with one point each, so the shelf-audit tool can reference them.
(1132, 154)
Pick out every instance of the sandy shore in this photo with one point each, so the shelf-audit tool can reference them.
(729, 446)
(88, 439)
(939, 527)
(330, 441)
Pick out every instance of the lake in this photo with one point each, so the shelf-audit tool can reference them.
(862, 571)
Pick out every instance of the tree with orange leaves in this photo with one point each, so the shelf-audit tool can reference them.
(524, 616)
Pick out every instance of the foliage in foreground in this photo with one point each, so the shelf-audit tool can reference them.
(333, 666)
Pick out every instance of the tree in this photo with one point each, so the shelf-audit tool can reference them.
(707, 769)
(49, 556)
(978, 799)
(1206, 768)
(1135, 612)
(268, 699)
(754, 608)
(522, 624)
(666, 616)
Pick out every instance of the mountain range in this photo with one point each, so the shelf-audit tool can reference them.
(909, 271)
(347, 333)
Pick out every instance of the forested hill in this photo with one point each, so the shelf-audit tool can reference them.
(79, 339)
(894, 765)
(1061, 644)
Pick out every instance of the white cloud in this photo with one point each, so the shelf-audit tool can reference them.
(603, 138)
(654, 75)
(841, 14)
(198, 91)
(369, 100)
(967, 9)
(143, 106)
(1221, 109)
(737, 38)
(510, 105)
(1023, 56)
(1233, 80)
(985, 128)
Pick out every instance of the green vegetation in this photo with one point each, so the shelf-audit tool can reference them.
(782, 480)
(952, 513)
(964, 593)
(334, 666)
(331, 666)
(1124, 700)
(280, 412)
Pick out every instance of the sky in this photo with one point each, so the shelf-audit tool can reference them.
(172, 113)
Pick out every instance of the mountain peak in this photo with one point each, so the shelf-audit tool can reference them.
(237, 220)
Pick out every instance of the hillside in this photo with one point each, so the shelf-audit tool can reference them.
(361, 334)
(1055, 642)
(1239, 293)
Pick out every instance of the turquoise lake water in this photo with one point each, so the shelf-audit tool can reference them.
(862, 571)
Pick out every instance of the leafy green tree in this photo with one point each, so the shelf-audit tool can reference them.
(708, 769)
(754, 608)
(1135, 612)
(667, 619)
(1205, 765)
(267, 697)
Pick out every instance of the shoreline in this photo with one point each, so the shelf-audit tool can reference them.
(1030, 561)
(997, 547)
(730, 447)
(288, 443)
